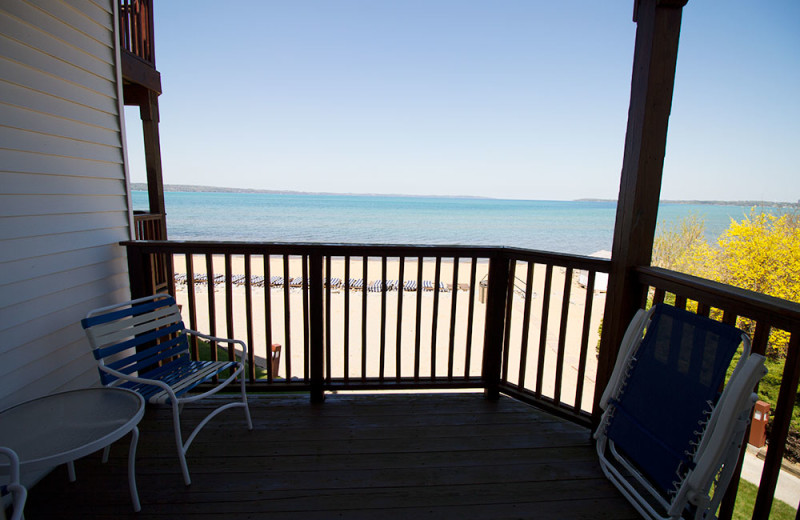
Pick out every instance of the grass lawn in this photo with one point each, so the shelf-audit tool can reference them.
(746, 500)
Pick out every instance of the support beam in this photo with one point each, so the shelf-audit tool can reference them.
(655, 55)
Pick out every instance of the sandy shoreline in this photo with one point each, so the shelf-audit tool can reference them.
(293, 359)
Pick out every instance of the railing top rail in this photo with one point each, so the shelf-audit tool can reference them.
(774, 311)
(391, 250)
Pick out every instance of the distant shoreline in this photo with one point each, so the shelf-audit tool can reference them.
(187, 188)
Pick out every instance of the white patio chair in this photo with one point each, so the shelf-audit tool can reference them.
(14, 488)
(143, 345)
(668, 439)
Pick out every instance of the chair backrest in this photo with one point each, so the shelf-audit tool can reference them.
(669, 392)
(137, 336)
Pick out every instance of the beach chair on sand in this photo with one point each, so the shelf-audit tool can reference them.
(668, 439)
(143, 345)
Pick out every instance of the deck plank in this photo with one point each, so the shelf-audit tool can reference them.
(356, 456)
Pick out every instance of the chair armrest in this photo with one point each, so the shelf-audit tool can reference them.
(243, 356)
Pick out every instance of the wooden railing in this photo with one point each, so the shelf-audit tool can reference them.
(764, 314)
(148, 226)
(373, 317)
(136, 28)
(530, 331)
(152, 226)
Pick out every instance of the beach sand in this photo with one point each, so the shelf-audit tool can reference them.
(293, 362)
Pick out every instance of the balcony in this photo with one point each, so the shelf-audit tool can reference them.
(526, 336)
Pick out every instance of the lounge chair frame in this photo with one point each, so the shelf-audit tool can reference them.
(700, 492)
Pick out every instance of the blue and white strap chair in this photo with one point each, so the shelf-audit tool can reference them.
(143, 345)
(668, 439)
(13, 487)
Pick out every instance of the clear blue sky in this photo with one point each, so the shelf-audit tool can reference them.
(511, 99)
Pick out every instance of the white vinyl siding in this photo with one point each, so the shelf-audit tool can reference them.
(63, 193)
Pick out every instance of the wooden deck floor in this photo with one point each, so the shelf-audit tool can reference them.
(354, 457)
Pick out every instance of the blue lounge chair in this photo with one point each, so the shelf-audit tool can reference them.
(143, 345)
(668, 439)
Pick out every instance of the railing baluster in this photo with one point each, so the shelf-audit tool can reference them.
(418, 327)
(453, 314)
(470, 316)
(382, 362)
(229, 304)
(526, 324)
(400, 291)
(248, 306)
(212, 308)
(304, 287)
(585, 331)
(658, 296)
(364, 293)
(328, 319)
(346, 318)
(562, 335)
(188, 259)
(287, 318)
(435, 317)
(509, 308)
(548, 282)
(271, 375)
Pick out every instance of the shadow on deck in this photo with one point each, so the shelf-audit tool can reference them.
(356, 456)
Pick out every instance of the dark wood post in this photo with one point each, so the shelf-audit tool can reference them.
(655, 54)
(316, 333)
(140, 272)
(495, 325)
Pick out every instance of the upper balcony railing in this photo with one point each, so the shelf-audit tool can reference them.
(136, 29)
(524, 323)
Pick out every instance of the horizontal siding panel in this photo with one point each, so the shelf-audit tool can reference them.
(26, 141)
(100, 13)
(74, 18)
(28, 268)
(27, 184)
(37, 225)
(41, 20)
(38, 59)
(28, 162)
(20, 293)
(33, 37)
(47, 329)
(25, 119)
(41, 81)
(20, 205)
(24, 313)
(18, 249)
(39, 349)
(74, 365)
(15, 95)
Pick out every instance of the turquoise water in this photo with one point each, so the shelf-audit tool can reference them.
(579, 227)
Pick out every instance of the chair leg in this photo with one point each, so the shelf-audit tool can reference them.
(244, 403)
(176, 422)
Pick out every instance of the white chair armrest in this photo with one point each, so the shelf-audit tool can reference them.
(208, 337)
